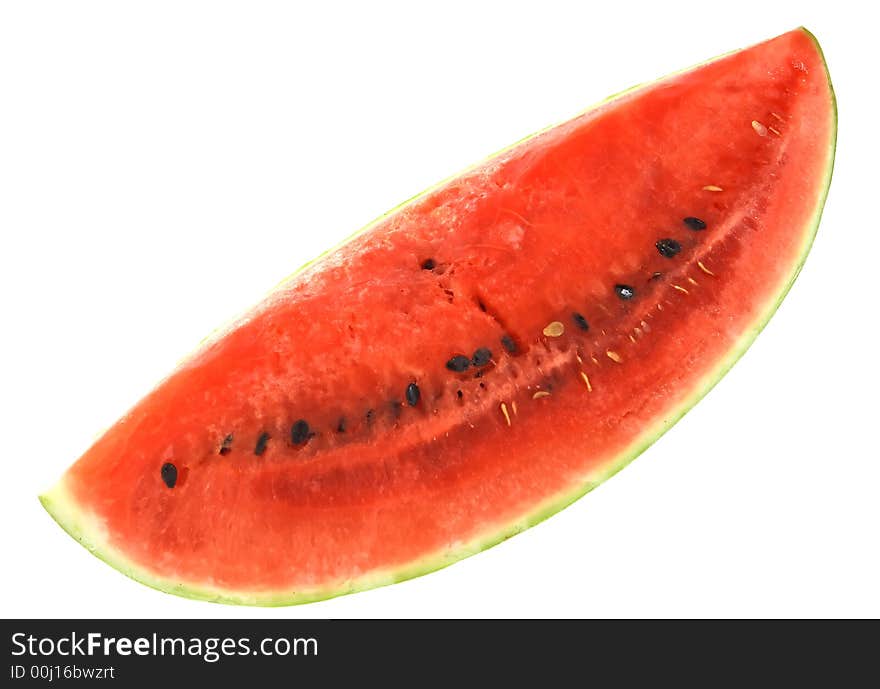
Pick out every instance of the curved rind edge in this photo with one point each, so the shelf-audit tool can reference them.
(87, 530)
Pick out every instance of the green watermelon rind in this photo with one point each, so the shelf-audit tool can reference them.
(88, 530)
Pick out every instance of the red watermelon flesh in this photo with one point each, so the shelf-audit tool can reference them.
(479, 358)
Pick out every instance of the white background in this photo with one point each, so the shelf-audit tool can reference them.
(163, 164)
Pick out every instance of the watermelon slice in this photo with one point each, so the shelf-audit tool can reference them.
(479, 358)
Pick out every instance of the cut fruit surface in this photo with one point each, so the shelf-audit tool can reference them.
(479, 358)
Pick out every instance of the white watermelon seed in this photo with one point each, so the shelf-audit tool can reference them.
(506, 415)
(554, 329)
(587, 381)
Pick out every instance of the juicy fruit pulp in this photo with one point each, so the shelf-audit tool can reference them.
(479, 358)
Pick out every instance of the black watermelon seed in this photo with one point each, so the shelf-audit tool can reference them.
(340, 427)
(369, 416)
(458, 363)
(262, 442)
(300, 432)
(694, 223)
(226, 447)
(508, 344)
(580, 321)
(429, 264)
(624, 291)
(459, 393)
(169, 474)
(668, 247)
(481, 357)
(413, 394)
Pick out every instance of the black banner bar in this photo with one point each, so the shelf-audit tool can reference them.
(139, 652)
